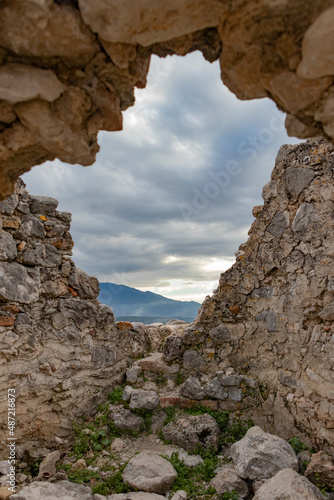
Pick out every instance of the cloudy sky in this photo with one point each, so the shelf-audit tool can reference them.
(169, 199)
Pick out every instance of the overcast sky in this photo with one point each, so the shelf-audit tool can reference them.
(170, 198)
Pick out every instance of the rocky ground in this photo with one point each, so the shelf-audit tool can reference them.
(149, 442)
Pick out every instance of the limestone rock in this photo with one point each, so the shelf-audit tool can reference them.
(288, 484)
(327, 313)
(318, 58)
(7, 247)
(259, 455)
(321, 469)
(146, 22)
(173, 347)
(305, 216)
(64, 490)
(149, 472)
(18, 283)
(44, 205)
(8, 206)
(193, 431)
(141, 399)
(278, 224)
(19, 82)
(49, 31)
(192, 360)
(4, 467)
(135, 496)
(297, 179)
(227, 480)
(125, 420)
(47, 467)
(192, 389)
(180, 495)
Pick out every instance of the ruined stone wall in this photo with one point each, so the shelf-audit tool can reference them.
(59, 347)
(272, 314)
(69, 68)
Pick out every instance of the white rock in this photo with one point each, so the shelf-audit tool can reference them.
(180, 495)
(140, 495)
(317, 47)
(289, 485)
(227, 481)
(19, 82)
(64, 490)
(259, 455)
(141, 399)
(149, 472)
(147, 21)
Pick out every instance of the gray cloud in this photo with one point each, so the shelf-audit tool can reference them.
(175, 189)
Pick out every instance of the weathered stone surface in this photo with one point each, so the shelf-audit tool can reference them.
(192, 389)
(173, 347)
(125, 420)
(44, 205)
(146, 22)
(7, 247)
(64, 490)
(141, 399)
(149, 472)
(327, 313)
(8, 206)
(87, 286)
(135, 496)
(31, 227)
(4, 467)
(47, 467)
(288, 484)
(278, 224)
(305, 215)
(192, 360)
(259, 455)
(215, 390)
(18, 283)
(19, 83)
(227, 481)
(191, 432)
(318, 59)
(297, 179)
(321, 469)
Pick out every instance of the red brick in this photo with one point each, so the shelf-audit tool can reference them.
(152, 366)
(72, 291)
(167, 401)
(7, 320)
(11, 308)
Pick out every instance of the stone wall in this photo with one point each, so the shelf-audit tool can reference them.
(60, 348)
(272, 314)
(68, 69)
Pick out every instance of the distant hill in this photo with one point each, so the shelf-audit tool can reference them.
(147, 307)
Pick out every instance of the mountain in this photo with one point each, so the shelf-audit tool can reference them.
(145, 306)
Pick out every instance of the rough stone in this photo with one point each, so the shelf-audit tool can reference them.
(173, 348)
(149, 472)
(141, 399)
(227, 481)
(192, 389)
(214, 390)
(47, 467)
(278, 225)
(135, 496)
(146, 22)
(259, 455)
(318, 59)
(18, 283)
(125, 420)
(297, 179)
(8, 250)
(320, 470)
(327, 313)
(191, 432)
(19, 83)
(192, 360)
(43, 205)
(132, 374)
(305, 216)
(4, 467)
(8, 206)
(220, 334)
(64, 490)
(32, 227)
(288, 484)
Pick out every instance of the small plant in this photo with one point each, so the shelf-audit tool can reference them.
(232, 495)
(116, 396)
(193, 479)
(170, 411)
(297, 445)
(146, 415)
(179, 378)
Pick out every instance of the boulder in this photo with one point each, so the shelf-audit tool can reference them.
(64, 490)
(192, 432)
(149, 472)
(320, 469)
(288, 485)
(125, 420)
(43, 205)
(140, 399)
(227, 481)
(259, 455)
